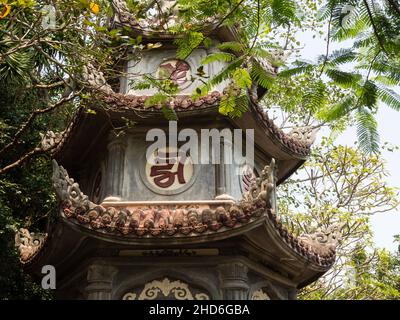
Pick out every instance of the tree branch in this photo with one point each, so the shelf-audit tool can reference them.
(25, 126)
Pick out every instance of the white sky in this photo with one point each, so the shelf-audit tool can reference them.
(384, 225)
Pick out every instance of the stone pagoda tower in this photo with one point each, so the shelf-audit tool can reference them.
(129, 227)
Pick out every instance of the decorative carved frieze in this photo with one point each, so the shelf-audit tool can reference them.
(155, 220)
(166, 289)
(162, 220)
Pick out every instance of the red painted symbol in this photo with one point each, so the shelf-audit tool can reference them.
(164, 176)
(176, 73)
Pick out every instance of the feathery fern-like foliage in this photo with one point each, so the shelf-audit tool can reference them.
(367, 131)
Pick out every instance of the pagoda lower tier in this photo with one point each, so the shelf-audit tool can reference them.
(214, 249)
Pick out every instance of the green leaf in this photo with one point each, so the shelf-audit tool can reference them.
(300, 68)
(341, 56)
(260, 76)
(283, 11)
(389, 97)
(227, 105)
(231, 46)
(169, 114)
(342, 78)
(368, 94)
(157, 99)
(315, 97)
(218, 78)
(218, 56)
(242, 78)
(241, 106)
(207, 42)
(188, 43)
(338, 110)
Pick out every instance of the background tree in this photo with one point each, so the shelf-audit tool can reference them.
(343, 186)
(41, 86)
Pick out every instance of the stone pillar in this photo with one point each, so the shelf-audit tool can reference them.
(222, 172)
(99, 279)
(115, 169)
(234, 282)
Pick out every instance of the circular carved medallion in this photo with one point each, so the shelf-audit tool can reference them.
(169, 171)
(178, 71)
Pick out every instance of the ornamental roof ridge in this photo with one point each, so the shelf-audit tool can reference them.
(298, 141)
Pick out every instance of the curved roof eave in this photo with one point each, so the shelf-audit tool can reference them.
(278, 144)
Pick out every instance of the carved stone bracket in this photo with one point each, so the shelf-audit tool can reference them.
(323, 241)
(306, 135)
(67, 189)
(166, 288)
(28, 244)
(262, 188)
